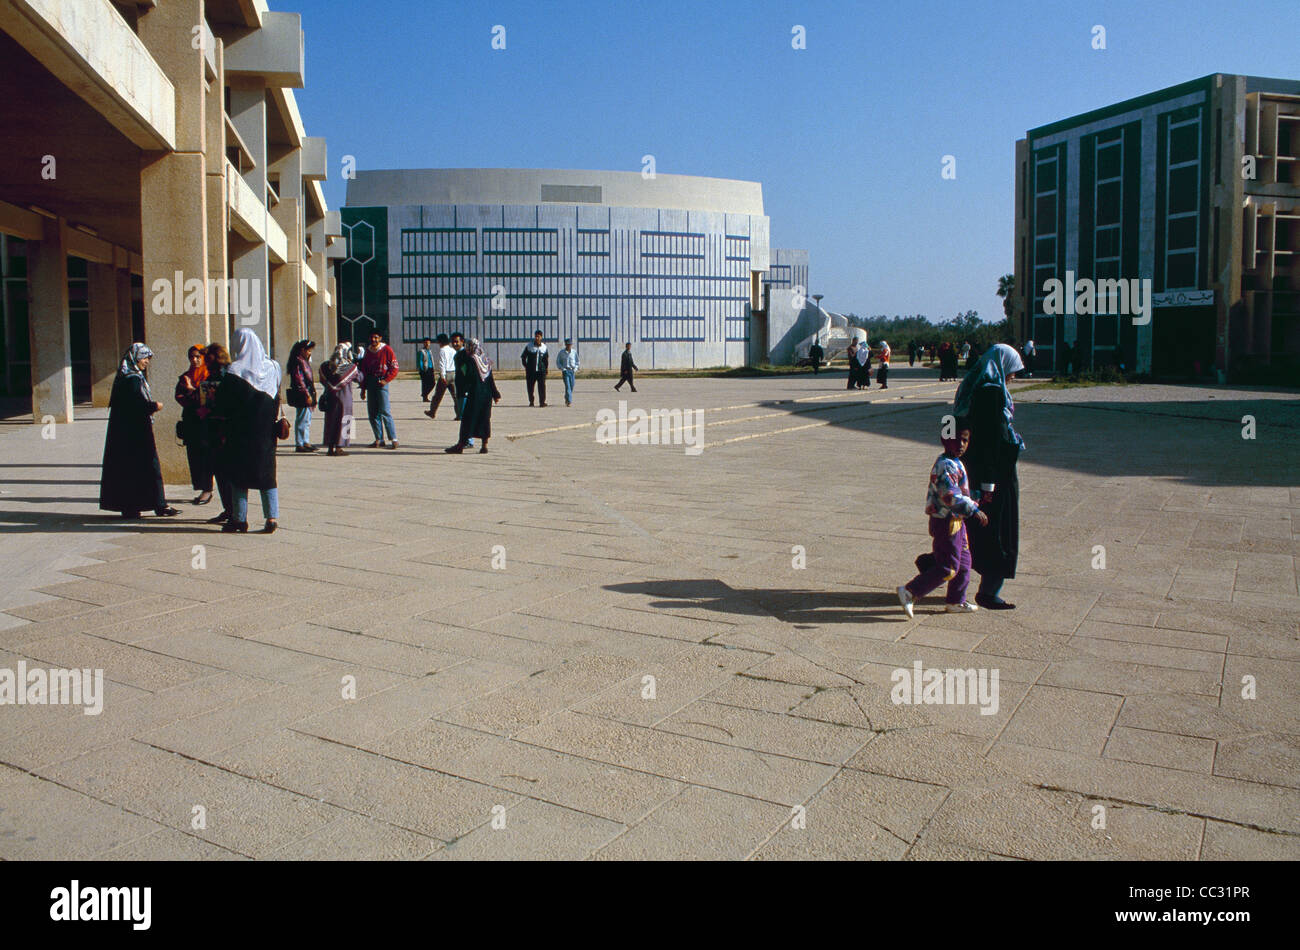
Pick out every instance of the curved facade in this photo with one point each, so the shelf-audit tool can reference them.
(671, 263)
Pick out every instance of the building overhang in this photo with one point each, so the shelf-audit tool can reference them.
(274, 52)
(93, 51)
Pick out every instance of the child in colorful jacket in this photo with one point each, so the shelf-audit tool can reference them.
(948, 502)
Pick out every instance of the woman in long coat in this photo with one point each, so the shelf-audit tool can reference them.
(337, 375)
(302, 393)
(194, 424)
(131, 480)
(476, 419)
(985, 402)
(246, 408)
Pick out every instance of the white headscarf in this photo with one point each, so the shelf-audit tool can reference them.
(249, 362)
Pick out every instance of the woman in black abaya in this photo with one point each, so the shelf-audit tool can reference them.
(131, 480)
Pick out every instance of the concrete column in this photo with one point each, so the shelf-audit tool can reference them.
(105, 348)
(47, 285)
(173, 218)
(218, 214)
(286, 280)
(252, 262)
(174, 242)
(125, 322)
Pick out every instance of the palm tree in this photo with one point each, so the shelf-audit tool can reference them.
(1006, 288)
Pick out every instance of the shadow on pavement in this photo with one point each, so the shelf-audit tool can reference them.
(788, 606)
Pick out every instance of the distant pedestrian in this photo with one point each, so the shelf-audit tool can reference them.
(816, 354)
(863, 359)
(948, 503)
(1031, 353)
(378, 369)
(566, 361)
(426, 362)
(444, 371)
(193, 428)
(302, 393)
(337, 376)
(536, 362)
(246, 408)
(476, 422)
(947, 362)
(462, 374)
(911, 353)
(131, 478)
(852, 352)
(965, 353)
(882, 374)
(626, 369)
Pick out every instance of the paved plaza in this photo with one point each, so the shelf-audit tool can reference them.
(564, 649)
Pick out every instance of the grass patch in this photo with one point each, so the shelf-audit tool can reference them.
(1082, 381)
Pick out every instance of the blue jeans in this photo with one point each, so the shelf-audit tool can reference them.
(302, 427)
(568, 386)
(270, 504)
(381, 413)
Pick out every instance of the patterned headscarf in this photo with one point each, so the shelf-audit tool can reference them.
(342, 355)
(131, 366)
(481, 362)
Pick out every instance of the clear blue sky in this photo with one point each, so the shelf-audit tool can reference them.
(847, 135)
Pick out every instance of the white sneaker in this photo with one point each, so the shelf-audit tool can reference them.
(905, 598)
(962, 608)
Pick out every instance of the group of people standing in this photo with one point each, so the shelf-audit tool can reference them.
(231, 415)
(860, 365)
(230, 404)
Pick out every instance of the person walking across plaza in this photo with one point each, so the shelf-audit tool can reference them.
(476, 418)
(131, 478)
(193, 428)
(948, 503)
(378, 369)
(536, 362)
(566, 361)
(302, 393)
(626, 369)
(426, 361)
(816, 354)
(337, 374)
(445, 374)
(246, 408)
(995, 447)
(882, 374)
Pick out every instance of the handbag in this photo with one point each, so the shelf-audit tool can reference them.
(326, 401)
(282, 429)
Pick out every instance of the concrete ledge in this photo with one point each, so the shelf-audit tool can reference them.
(250, 219)
(315, 165)
(20, 222)
(89, 47)
(274, 53)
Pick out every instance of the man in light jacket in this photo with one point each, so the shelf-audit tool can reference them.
(567, 363)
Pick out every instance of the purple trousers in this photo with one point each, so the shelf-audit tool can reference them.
(951, 561)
